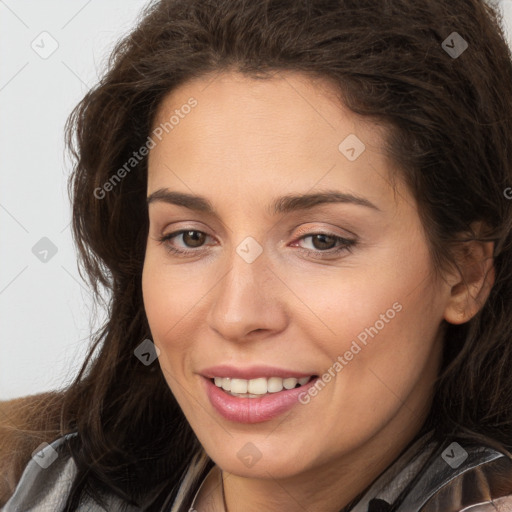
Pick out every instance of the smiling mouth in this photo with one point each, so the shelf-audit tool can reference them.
(257, 388)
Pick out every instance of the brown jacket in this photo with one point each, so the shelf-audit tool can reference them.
(22, 430)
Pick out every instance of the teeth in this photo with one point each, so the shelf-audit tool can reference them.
(257, 387)
(226, 384)
(274, 384)
(289, 383)
(239, 385)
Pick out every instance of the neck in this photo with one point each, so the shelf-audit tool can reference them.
(329, 487)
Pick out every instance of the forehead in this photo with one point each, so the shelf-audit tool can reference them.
(290, 131)
(287, 103)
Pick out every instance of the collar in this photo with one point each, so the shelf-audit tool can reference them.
(376, 499)
(423, 467)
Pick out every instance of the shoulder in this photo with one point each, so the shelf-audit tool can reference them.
(25, 423)
(46, 480)
(463, 476)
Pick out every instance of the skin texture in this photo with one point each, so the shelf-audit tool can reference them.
(247, 142)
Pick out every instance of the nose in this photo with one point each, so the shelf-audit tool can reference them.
(248, 301)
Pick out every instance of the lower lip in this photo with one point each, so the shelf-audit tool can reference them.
(253, 410)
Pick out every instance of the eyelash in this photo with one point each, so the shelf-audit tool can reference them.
(347, 244)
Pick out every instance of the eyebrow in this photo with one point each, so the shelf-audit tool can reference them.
(283, 204)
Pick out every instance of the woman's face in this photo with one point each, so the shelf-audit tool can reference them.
(299, 261)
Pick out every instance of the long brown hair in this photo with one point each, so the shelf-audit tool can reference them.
(449, 124)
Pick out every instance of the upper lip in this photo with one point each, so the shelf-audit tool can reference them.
(251, 372)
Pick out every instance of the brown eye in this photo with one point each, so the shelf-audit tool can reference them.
(325, 245)
(323, 242)
(193, 238)
(184, 242)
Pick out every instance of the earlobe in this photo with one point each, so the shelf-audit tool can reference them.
(475, 280)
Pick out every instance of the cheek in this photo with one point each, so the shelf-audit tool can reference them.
(385, 296)
(377, 328)
(166, 314)
(174, 302)
(171, 297)
(166, 309)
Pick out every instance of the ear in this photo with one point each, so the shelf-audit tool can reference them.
(472, 282)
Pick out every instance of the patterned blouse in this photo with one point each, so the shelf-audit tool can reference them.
(457, 476)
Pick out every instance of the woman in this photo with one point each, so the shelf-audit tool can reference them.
(301, 212)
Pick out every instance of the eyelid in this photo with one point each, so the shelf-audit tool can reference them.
(304, 230)
(309, 230)
(179, 232)
(336, 252)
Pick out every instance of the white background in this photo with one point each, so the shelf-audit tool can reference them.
(45, 308)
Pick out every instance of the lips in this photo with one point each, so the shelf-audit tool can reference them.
(256, 387)
(255, 394)
(252, 372)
